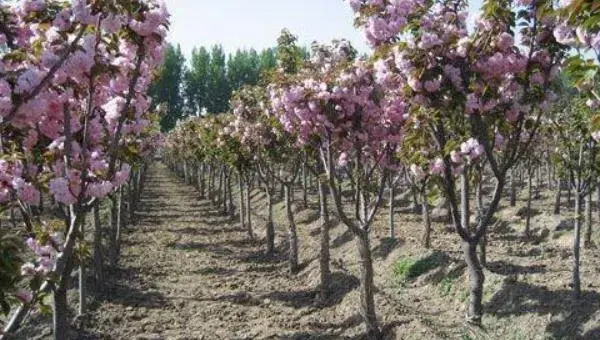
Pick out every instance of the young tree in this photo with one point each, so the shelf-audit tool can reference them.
(482, 89)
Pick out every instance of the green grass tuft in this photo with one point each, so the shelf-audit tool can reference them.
(410, 268)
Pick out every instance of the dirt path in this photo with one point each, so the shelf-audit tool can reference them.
(189, 273)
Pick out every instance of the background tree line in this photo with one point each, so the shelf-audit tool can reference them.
(207, 81)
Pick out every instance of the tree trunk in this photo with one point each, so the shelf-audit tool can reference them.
(476, 279)
(576, 249)
(131, 204)
(270, 234)
(120, 220)
(324, 257)
(513, 189)
(248, 207)
(59, 313)
(557, 197)
(230, 205)
(98, 257)
(243, 206)
(81, 275)
(186, 173)
(367, 288)
(392, 192)
(114, 227)
(587, 242)
(292, 235)
(304, 185)
(526, 233)
(201, 181)
(426, 239)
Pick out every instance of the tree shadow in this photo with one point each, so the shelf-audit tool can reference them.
(341, 285)
(241, 298)
(505, 268)
(386, 246)
(339, 241)
(521, 298)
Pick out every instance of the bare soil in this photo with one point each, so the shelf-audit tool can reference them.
(189, 272)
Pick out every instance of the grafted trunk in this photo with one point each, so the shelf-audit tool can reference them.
(576, 282)
(292, 234)
(426, 239)
(98, 256)
(367, 288)
(391, 224)
(557, 197)
(526, 233)
(476, 280)
(304, 185)
(202, 181)
(186, 173)
(513, 189)
(248, 208)
(587, 242)
(114, 230)
(81, 275)
(243, 207)
(270, 227)
(324, 255)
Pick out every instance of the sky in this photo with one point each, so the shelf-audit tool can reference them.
(257, 23)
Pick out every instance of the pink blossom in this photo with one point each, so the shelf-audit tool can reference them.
(24, 296)
(60, 188)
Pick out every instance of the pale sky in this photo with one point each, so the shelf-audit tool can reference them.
(257, 23)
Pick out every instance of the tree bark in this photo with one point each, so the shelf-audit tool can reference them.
(426, 239)
(367, 288)
(576, 282)
(526, 233)
(270, 232)
(587, 242)
(557, 197)
(476, 279)
(98, 256)
(513, 189)
(292, 234)
(392, 194)
(324, 256)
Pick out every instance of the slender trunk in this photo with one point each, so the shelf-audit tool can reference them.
(186, 174)
(483, 250)
(243, 206)
(569, 190)
(526, 233)
(131, 204)
(270, 232)
(367, 288)
(576, 249)
(557, 197)
(304, 185)
(120, 220)
(391, 225)
(114, 227)
(587, 242)
(513, 189)
(81, 276)
(211, 184)
(476, 279)
(59, 313)
(248, 207)
(201, 181)
(324, 251)
(415, 199)
(426, 239)
(292, 235)
(98, 257)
